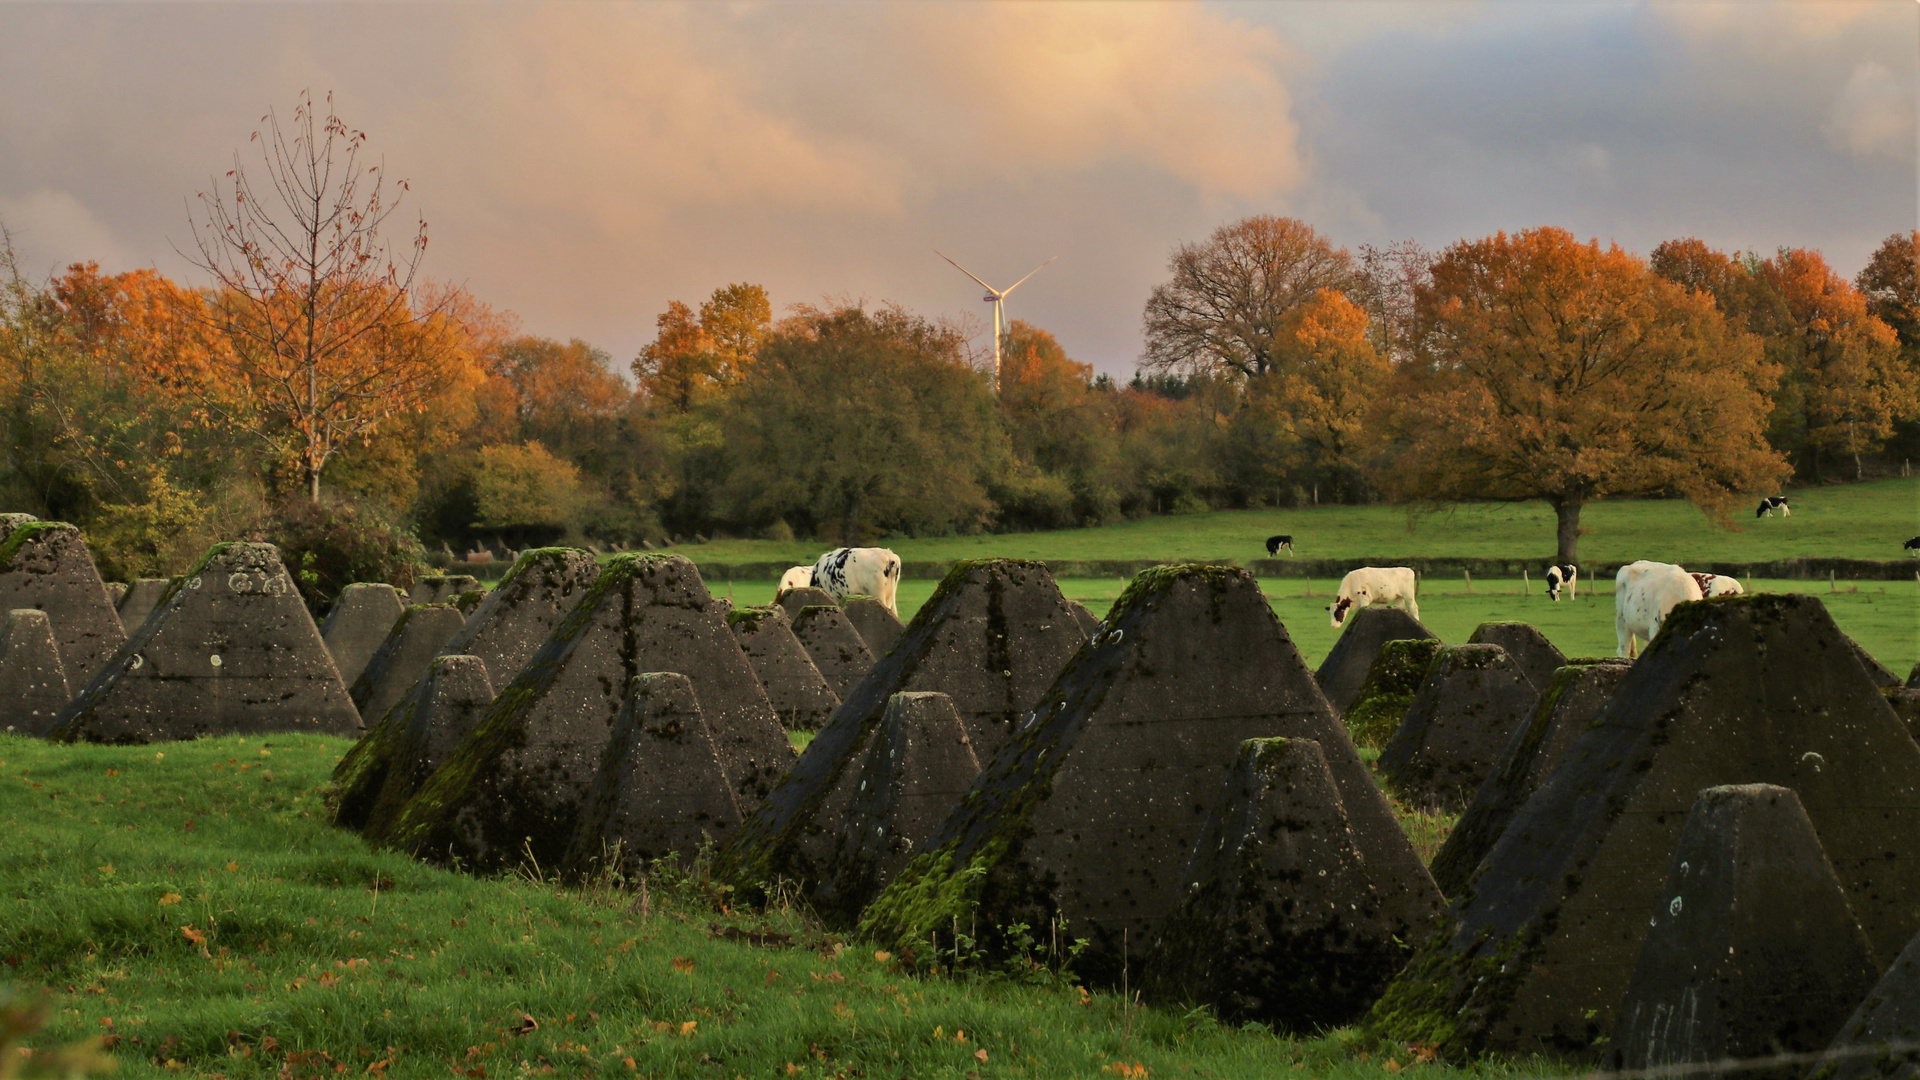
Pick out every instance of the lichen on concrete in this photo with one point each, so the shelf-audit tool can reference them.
(1385, 696)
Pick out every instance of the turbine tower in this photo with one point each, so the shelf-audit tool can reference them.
(997, 297)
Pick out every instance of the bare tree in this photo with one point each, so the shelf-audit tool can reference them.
(316, 308)
(1230, 297)
(1391, 278)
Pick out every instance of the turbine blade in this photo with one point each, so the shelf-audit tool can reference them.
(967, 272)
(1023, 280)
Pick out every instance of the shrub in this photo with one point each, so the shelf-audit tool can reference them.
(330, 545)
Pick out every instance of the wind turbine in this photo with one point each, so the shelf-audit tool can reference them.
(997, 297)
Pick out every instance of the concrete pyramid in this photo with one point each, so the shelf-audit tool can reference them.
(519, 782)
(1913, 677)
(1752, 949)
(1538, 949)
(1881, 1039)
(1089, 622)
(1527, 647)
(33, 684)
(1351, 657)
(801, 699)
(444, 589)
(1090, 812)
(1877, 671)
(415, 737)
(919, 766)
(659, 792)
(358, 623)
(46, 565)
(116, 591)
(416, 637)
(1473, 699)
(1280, 921)
(1383, 699)
(992, 637)
(877, 627)
(141, 596)
(1568, 705)
(836, 649)
(10, 522)
(516, 616)
(231, 650)
(808, 596)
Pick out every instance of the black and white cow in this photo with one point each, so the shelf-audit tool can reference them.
(845, 572)
(1913, 545)
(1558, 576)
(1275, 543)
(1771, 503)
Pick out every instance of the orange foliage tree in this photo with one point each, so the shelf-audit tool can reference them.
(324, 339)
(1322, 388)
(1556, 370)
(695, 357)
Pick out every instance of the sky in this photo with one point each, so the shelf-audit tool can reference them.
(583, 164)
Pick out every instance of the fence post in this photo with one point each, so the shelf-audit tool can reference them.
(1526, 584)
(1469, 576)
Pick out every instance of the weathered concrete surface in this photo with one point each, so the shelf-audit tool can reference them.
(382, 771)
(1538, 948)
(141, 596)
(659, 793)
(33, 684)
(992, 637)
(1752, 949)
(1089, 622)
(795, 599)
(1877, 671)
(10, 522)
(1526, 646)
(920, 764)
(1881, 1039)
(231, 650)
(835, 648)
(1473, 699)
(1347, 663)
(519, 613)
(1280, 921)
(519, 782)
(1381, 703)
(1913, 677)
(878, 628)
(1571, 699)
(116, 591)
(1090, 812)
(1906, 705)
(420, 633)
(800, 696)
(358, 623)
(444, 589)
(46, 565)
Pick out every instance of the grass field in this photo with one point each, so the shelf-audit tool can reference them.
(187, 903)
(1861, 521)
(1884, 616)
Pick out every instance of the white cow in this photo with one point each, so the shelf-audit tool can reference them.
(1390, 585)
(798, 577)
(1712, 585)
(1643, 593)
(845, 572)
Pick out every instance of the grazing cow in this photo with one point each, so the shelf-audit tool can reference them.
(1913, 545)
(798, 577)
(1275, 543)
(874, 572)
(1771, 503)
(1643, 593)
(1712, 585)
(1567, 575)
(1390, 585)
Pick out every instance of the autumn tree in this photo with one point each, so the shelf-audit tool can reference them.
(316, 307)
(1567, 372)
(696, 356)
(1065, 464)
(1320, 395)
(1229, 298)
(1891, 284)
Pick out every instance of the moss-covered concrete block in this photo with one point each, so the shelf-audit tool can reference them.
(1472, 701)
(879, 628)
(660, 793)
(443, 588)
(1573, 696)
(1526, 646)
(421, 633)
(1539, 947)
(795, 688)
(834, 646)
(230, 650)
(992, 637)
(516, 616)
(1089, 622)
(1382, 701)
(417, 736)
(139, 600)
(1279, 921)
(804, 597)
(46, 565)
(358, 624)
(1752, 949)
(1088, 814)
(518, 784)
(1347, 663)
(33, 684)
(1880, 1040)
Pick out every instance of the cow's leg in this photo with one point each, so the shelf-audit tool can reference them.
(1785, 510)
(1626, 638)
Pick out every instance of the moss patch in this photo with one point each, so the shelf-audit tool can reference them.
(24, 534)
(1388, 692)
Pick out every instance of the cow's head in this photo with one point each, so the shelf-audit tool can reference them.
(1340, 608)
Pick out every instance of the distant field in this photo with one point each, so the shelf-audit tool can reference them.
(1858, 521)
(1883, 616)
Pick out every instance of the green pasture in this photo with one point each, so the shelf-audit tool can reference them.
(1883, 616)
(1855, 521)
(188, 904)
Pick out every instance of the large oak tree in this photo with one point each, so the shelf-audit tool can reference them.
(1565, 371)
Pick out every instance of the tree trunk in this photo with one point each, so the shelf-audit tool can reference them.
(313, 485)
(1567, 511)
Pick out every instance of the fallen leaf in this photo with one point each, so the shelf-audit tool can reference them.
(1391, 1065)
(683, 965)
(882, 955)
(170, 899)
(198, 937)
(686, 1029)
(981, 1054)
(232, 866)
(528, 1025)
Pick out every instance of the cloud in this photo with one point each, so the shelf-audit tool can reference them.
(1872, 114)
(49, 224)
